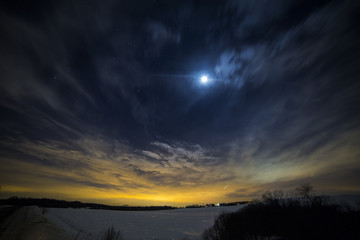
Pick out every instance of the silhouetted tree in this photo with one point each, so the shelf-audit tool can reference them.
(279, 217)
(274, 196)
(304, 190)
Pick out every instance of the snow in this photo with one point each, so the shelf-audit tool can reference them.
(165, 224)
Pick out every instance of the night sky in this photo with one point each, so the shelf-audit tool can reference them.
(103, 101)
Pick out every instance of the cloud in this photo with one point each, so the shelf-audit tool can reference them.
(158, 36)
(35, 60)
(256, 163)
(151, 154)
(104, 164)
(298, 50)
(61, 64)
(84, 103)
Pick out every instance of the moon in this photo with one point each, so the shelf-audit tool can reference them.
(204, 79)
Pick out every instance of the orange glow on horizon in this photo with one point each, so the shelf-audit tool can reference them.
(96, 176)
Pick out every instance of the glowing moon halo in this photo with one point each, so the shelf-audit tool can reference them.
(204, 79)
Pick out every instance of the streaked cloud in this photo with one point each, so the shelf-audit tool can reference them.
(102, 101)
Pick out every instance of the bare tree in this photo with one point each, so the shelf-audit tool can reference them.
(273, 196)
(305, 190)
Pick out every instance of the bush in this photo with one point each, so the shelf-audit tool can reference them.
(109, 234)
(305, 190)
(312, 218)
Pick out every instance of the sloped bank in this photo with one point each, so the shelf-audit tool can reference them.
(29, 223)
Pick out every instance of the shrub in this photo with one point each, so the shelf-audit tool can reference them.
(305, 190)
(109, 234)
(312, 218)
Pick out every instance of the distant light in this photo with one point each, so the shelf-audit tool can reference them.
(204, 79)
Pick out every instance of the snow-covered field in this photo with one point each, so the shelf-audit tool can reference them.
(166, 224)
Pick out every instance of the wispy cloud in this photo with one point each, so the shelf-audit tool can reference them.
(87, 110)
(104, 164)
(290, 52)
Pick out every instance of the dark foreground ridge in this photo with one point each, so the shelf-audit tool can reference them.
(280, 217)
(54, 203)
